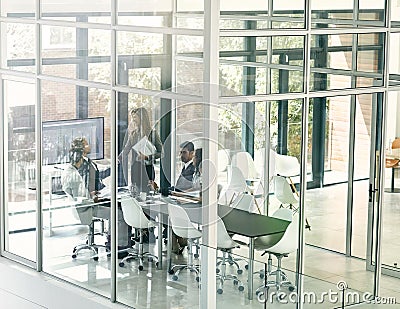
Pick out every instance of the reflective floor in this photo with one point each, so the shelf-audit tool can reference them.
(152, 288)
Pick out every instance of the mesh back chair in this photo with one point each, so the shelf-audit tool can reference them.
(183, 227)
(134, 216)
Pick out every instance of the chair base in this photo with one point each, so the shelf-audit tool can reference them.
(140, 257)
(93, 247)
(90, 245)
(232, 261)
(222, 276)
(176, 269)
(281, 279)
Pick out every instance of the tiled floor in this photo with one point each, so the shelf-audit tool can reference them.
(153, 288)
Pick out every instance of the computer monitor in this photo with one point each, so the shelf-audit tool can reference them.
(58, 135)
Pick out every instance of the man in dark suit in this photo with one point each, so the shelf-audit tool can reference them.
(184, 181)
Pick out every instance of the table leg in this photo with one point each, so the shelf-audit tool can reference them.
(392, 184)
(169, 247)
(160, 241)
(250, 270)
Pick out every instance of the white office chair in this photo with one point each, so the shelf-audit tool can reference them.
(225, 244)
(183, 227)
(287, 166)
(85, 215)
(280, 246)
(134, 216)
(236, 185)
(243, 161)
(244, 201)
(285, 193)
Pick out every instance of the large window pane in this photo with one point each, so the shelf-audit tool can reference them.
(20, 168)
(18, 9)
(81, 53)
(96, 11)
(69, 117)
(19, 52)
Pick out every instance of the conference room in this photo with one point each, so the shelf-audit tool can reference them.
(294, 138)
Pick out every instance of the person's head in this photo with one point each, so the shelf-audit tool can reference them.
(187, 151)
(198, 157)
(81, 143)
(76, 156)
(140, 117)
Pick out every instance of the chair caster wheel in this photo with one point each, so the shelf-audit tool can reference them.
(220, 291)
(291, 288)
(96, 258)
(235, 282)
(241, 288)
(217, 271)
(198, 279)
(246, 267)
(156, 264)
(122, 264)
(74, 256)
(230, 263)
(174, 277)
(240, 271)
(140, 267)
(196, 256)
(171, 272)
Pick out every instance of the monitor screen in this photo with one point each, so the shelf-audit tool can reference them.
(58, 135)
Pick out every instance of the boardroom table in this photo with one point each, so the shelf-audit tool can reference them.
(236, 221)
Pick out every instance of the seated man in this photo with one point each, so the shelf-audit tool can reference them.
(89, 171)
(74, 186)
(185, 179)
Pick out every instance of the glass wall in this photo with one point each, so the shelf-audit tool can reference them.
(106, 77)
(20, 178)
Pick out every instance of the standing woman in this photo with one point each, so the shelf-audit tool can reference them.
(142, 166)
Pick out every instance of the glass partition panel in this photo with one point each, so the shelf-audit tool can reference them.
(149, 14)
(332, 61)
(76, 185)
(370, 59)
(288, 15)
(362, 153)
(19, 142)
(76, 53)
(18, 9)
(394, 60)
(94, 11)
(332, 14)
(326, 207)
(392, 185)
(395, 14)
(140, 60)
(18, 47)
(372, 11)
